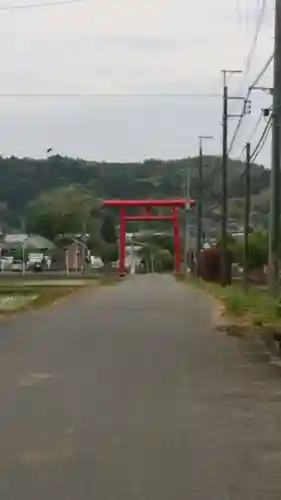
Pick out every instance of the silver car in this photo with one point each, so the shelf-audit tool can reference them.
(17, 265)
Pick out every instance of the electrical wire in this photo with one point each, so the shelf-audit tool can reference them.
(37, 5)
(218, 167)
(262, 140)
(252, 134)
(259, 146)
(262, 72)
(106, 94)
(261, 116)
(257, 79)
(256, 127)
(256, 37)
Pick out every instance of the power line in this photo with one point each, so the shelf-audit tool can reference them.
(36, 5)
(106, 94)
(261, 116)
(262, 137)
(258, 148)
(262, 72)
(256, 81)
(262, 140)
(218, 165)
(252, 134)
(260, 144)
(256, 37)
(256, 126)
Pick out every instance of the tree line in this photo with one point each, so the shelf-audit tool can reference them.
(24, 181)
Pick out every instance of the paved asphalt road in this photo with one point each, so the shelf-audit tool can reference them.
(128, 393)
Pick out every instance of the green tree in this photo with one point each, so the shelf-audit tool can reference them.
(163, 260)
(108, 232)
(65, 210)
(24, 180)
(235, 246)
(258, 249)
(164, 241)
(108, 253)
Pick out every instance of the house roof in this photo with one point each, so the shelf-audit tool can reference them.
(15, 238)
(40, 242)
(35, 241)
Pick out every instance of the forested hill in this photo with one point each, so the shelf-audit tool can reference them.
(23, 180)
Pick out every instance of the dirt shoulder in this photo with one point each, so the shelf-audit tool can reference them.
(240, 314)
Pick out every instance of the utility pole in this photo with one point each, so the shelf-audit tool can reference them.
(199, 207)
(274, 240)
(200, 201)
(224, 181)
(224, 218)
(186, 220)
(247, 215)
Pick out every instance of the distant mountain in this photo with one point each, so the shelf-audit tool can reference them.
(23, 180)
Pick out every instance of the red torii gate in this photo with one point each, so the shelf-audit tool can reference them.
(147, 205)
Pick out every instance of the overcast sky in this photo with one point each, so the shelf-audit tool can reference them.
(136, 65)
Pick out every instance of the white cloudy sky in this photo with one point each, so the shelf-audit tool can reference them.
(113, 79)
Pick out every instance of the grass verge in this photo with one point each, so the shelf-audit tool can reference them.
(18, 299)
(19, 295)
(254, 308)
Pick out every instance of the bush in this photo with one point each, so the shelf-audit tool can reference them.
(163, 260)
(235, 247)
(258, 249)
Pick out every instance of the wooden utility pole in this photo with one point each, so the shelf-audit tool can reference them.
(247, 215)
(199, 208)
(200, 200)
(224, 218)
(274, 240)
(186, 220)
(224, 183)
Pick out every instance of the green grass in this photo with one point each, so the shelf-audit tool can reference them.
(256, 307)
(17, 299)
(21, 295)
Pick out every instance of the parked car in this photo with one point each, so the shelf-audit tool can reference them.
(96, 263)
(16, 265)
